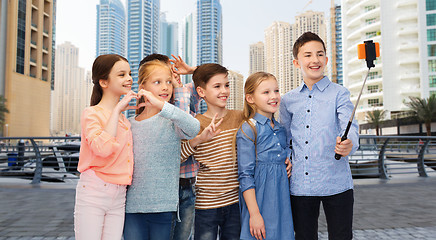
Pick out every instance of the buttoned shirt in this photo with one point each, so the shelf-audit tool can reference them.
(313, 119)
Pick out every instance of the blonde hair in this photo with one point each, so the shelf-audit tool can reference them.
(145, 71)
(251, 84)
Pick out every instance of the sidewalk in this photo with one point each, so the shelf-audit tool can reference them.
(400, 208)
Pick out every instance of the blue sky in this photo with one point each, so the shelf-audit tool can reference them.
(244, 22)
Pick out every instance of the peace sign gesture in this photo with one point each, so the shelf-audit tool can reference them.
(208, 133)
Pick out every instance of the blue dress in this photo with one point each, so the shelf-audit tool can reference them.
(267, 175)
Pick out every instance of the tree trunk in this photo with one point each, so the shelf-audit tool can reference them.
(428, 128)
(376, 130)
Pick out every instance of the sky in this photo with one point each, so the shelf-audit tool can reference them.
(244, 22)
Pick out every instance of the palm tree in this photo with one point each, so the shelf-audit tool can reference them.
(375, 117)
(424, 109)
(3, 111)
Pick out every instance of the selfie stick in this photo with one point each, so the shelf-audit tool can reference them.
(368, 51)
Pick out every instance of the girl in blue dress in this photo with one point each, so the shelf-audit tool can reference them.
(261, 149)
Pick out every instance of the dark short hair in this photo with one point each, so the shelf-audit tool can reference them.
(205, 72)
(303, 39)
(154, 56)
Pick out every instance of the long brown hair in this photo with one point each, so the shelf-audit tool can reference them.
(100, 71)
(145, 71)
(251, 84)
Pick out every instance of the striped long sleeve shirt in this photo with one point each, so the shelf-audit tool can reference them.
(217, 180)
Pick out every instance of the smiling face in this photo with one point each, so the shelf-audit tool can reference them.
(311, 59)
(266, 97)
(216, 91)
(159, 83)
(119, 80)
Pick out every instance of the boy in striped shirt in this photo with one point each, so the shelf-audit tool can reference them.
(217, 204)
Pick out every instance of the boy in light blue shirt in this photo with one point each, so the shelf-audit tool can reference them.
(315, 115)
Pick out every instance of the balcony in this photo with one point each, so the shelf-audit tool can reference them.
(406, 3)
(409, 60)
(409, 75)
(407, 31)
(408, 46)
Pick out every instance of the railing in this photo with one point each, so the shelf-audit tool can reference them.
(388, 156)
(55, 158)
(40, 159)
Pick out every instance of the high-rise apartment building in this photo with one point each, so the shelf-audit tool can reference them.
(236, 98)
(334, 45)
(26, 38)
(168, 37)
(397, 74)
(143, 34)
(111, 28)
(68, 94)
(257, 57)
(278, 53)
(427, 45)
(209, 32)
(188, 42)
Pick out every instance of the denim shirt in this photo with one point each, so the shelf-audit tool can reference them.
(270, 147)
(313, 119)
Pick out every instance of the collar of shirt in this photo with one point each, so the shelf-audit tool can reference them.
(265, 121)
(321, 84)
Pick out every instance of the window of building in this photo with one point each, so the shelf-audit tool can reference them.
(373, 88)
(21, 36)
(432, 50)
(369, 21)
(369, 8)
(431, 19)
(431, 35)
(430, 5)
(432, 80)
(374, 102)
(432, 65)
(371, 34)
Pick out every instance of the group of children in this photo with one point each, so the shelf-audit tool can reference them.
(248, 175)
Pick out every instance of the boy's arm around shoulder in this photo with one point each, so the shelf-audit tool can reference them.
(100, 142)
(187, 127)
(246, 155)
(344, 110)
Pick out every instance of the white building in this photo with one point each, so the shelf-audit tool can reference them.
(396, 76)
(257, 57)
(278, 54)
(188, 42)
(427, 44)
(236, 98)
(67, 95)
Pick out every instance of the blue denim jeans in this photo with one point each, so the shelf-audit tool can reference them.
(144, 226)
(223, 222)
(184, 229)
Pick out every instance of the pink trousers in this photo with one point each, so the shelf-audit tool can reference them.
(99, 209)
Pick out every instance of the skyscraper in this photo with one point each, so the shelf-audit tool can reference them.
(396, 75)
(427, 46)
(26, 29)
(188, 42)
(168, 37)
(111, 28)
(209, 32)
(236, 98)
(70, 84)
(278, 53)
(143, 34)
(334, 44)
(257, 58)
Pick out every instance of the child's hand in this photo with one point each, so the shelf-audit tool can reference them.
(288, 167)
(123, 104)
(150, 100)
(208, 133)
(257, 227)
(343, 148)
(180, 67)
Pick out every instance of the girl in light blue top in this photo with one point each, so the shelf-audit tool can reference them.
(261, 149)
(152, 199)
